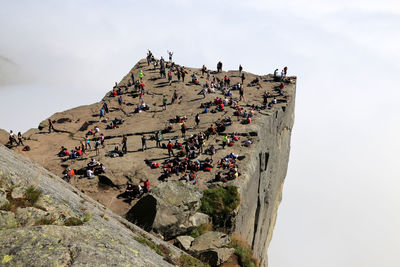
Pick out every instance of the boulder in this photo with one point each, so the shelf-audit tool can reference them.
(7, 220)
(3, 197)
(184, 242)
(167, 208)
(198, 219)
(18, 192)
(210, 240)
(216, 256)
(29, 216)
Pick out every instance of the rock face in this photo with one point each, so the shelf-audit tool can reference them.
(262, 166)
(261, 186)
(212, 248)
(95, 237)
(169, 209)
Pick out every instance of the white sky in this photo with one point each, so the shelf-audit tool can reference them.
(341, 197)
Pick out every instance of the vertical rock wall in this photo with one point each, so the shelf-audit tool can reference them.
(264, 174)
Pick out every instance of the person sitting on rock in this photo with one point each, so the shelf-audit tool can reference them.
(89, 174)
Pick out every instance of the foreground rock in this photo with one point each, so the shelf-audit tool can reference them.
(64, 228)
(216, 256)
(170, 209)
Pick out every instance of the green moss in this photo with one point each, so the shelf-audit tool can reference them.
(202, 229)
(73, 221)
(244, 253)
(150, 244)
(32, 195)
(87, 217)
(220, 202)
(188, 261)
(7, 206)
(45, 221)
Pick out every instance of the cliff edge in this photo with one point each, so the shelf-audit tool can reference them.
(236, 151)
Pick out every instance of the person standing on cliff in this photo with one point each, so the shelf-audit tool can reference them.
(158, 139)
(197, 119)
(133, 78)
(141, 75)
(51, 126)
(170, 150)
(19, 139)
(124, 147)
(170, 54)
(144, 145)
(240, 70)
(241, 92)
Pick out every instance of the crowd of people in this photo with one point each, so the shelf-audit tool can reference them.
(190, 154)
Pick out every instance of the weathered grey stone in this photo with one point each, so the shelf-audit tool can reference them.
(3, 197)
(184, 241)
(264, 171)
(167, 208)
(7, 220)
(210, 240)
(216, 256)
(95, 242)
(198, 219)
(29, 216)
(18, 192)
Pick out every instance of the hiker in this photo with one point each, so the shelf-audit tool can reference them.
(133, 77)
(105, 107)
(225, 141)
(197, 119)
(120, 100)
(276, 74)
(144, 145)
(165, 102)
(169, 77)
(96, 147)
(243, 78)
(12, 138)
(19, 139)
(146, 186)
(88, 143)
(101, 113)
(124, 141)
(141, 75)
(170, 150)
(51, 126)
(183, 129)
(219, 66)
(285, 71)
(240, 70)
(170, 54)
(203, 70)
(241, 93)
(102, 138)
(158, 139)
(89, 174)
(183, 73)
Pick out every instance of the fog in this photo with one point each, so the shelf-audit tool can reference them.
(341, 194)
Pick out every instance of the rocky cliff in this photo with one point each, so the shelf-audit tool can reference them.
(176, 208)
(262, 184)
(46, 222)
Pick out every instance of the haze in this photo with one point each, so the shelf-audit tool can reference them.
(341, 196)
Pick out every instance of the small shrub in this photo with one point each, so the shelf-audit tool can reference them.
(45, 221)
(73, 221)
(202, 229)
(220, 202)
(32, 195)
(7, 206)
(244, 252)
(87, 217)
(188, 261)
